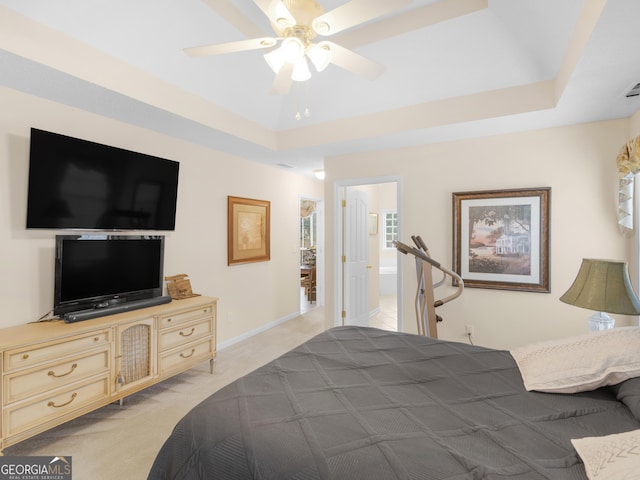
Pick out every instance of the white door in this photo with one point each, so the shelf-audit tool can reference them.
(355, 258)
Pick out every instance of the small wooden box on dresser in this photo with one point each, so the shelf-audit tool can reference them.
(53, 372)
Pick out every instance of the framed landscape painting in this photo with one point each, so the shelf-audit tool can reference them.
(248, 233)
(501, 239)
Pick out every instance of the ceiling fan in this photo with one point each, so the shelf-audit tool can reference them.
(296, 24)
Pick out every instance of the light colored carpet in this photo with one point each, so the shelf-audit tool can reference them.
(121, 442)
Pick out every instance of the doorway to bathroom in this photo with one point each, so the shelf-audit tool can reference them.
(367, 268)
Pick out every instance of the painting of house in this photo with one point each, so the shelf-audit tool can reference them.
(518, 244)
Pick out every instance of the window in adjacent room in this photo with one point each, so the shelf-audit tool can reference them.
(390, 223)
(308, 232)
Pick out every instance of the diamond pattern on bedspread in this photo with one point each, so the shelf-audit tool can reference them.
(360, 403)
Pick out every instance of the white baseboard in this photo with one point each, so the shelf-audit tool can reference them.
(255, 331)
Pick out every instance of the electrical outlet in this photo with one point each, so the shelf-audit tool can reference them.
(468, 330)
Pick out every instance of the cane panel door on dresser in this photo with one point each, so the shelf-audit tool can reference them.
(135, 355)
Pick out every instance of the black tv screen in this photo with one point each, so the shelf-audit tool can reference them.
(97, 271)
(78, 184)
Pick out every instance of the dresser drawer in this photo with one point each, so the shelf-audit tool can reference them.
(27, 356)
(44, 378)
(47, 408)
(187, 356)
(185, 333)
(168, 321)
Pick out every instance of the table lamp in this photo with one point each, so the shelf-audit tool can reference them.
(603, 286)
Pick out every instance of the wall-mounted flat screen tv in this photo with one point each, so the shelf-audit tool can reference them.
(78, 184)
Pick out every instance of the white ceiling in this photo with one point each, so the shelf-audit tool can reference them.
(454, 69)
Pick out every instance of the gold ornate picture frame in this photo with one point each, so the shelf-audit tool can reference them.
(373, 223)
(248, 235)
(501, 239)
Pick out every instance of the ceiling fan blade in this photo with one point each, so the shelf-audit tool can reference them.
(231, 47)
(282, 82)
(227, 10)
(353, 13)
(353, 62)
(410, 20)
(276, 11)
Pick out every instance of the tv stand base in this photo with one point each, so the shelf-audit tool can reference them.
(80, 315)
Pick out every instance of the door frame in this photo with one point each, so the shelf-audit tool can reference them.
(319, 247)
(338, 195)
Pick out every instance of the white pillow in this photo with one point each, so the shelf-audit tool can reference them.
(612, 457)
(581, 363)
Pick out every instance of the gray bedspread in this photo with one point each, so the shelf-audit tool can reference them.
(362, 403)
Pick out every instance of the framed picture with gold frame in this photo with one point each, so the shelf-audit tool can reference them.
(501, 239)
(373, 223)
(248, 235)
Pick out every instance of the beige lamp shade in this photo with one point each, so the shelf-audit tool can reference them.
(604, 286)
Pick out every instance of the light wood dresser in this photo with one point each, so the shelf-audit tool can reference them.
(53, 372)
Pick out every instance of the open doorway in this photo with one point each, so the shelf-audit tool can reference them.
(311, 233)
(386, 316)
(379, 289)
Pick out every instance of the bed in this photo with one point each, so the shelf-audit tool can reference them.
(363, 403)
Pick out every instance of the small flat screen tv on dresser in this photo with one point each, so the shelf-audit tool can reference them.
(78, 184)
(101, 274)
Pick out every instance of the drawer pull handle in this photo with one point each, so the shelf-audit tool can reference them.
(193, 329)
(95, 339)
(73, 397)
(25, 356)
(52, 373)
(193, 350)
(168, 319)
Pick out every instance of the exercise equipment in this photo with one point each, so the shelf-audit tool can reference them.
(425, 302)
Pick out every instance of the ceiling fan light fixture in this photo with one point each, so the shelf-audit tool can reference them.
(293, 49)
(297, 23)
(320, 55)
(275, 59)
(290, 51)
(301, 71)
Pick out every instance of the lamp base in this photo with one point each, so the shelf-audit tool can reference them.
(600, 321)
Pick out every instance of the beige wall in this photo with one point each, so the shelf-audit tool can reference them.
(388, 201)
(635, 125)
(577, 162)
(251, 296)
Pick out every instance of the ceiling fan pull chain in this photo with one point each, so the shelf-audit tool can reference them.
(299, 103)
(298, 116)
(307, 113)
